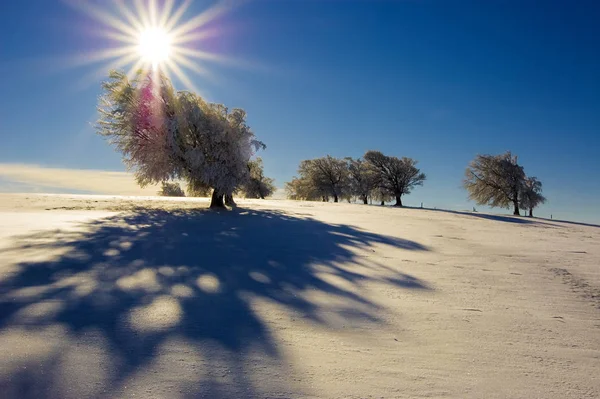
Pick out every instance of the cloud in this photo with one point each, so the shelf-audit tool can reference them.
(35, 178)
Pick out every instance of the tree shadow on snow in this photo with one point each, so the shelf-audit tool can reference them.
(514, 219)
(135, 282)
(497, 218)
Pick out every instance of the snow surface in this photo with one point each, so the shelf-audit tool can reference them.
(105, 296)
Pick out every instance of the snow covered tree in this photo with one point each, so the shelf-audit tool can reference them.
(531, 194)
(137, 117)
(258, 185)
(214, 144)
(328, 175)
(164, 134)
(363, 178)
(495, 180)
(171, 190)
(397, 176)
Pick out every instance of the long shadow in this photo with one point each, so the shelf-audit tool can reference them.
(513, 219)
(144, 278)
(570, 222)
(497, 218)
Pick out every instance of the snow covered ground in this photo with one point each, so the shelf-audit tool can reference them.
(104, 296)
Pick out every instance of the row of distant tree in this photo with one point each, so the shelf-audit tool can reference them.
(375, 176)
(493, 180)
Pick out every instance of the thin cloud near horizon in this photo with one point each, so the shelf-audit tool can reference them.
(32, 178)
(18, 177)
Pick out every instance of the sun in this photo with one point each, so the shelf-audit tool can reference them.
(154, 46)
(153, 35)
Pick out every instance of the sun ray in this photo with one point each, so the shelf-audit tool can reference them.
(93, 76)
(172, 21)
(187, 63)
(182, 76)
(121, 37)
(153, 12)
(203, 18)
(129, 15)
(166, 11)
(139, 64)
(102, 55)
(142, 13)
(195, 36)
(101, 15)
(203, 55)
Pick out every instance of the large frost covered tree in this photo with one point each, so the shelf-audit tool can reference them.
(531, 194)
(397, 176)
(164, 134)
(495, 180)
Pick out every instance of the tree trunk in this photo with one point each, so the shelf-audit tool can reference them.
(335, 198)
(382, 202)
(516, 205)
(365, 200)
(229, 200)
(216, 201)
(398, 200)
(530, 212)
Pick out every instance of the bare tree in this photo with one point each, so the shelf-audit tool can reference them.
(495, 180)
(397, 177)
(531, 195)
(363, 178)
(328, 175)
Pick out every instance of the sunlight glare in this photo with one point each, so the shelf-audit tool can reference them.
(154, 46)
(151, 34)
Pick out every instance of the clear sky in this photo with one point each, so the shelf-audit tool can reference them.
(438, 81)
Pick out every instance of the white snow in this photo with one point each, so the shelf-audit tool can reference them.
(107, 296)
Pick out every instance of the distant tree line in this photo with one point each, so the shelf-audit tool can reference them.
(492, 180)
(374, 176)
(499, 181)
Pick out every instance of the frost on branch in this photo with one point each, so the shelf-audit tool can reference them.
(164, 134)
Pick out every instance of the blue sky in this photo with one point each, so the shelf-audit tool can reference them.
(438, 81)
